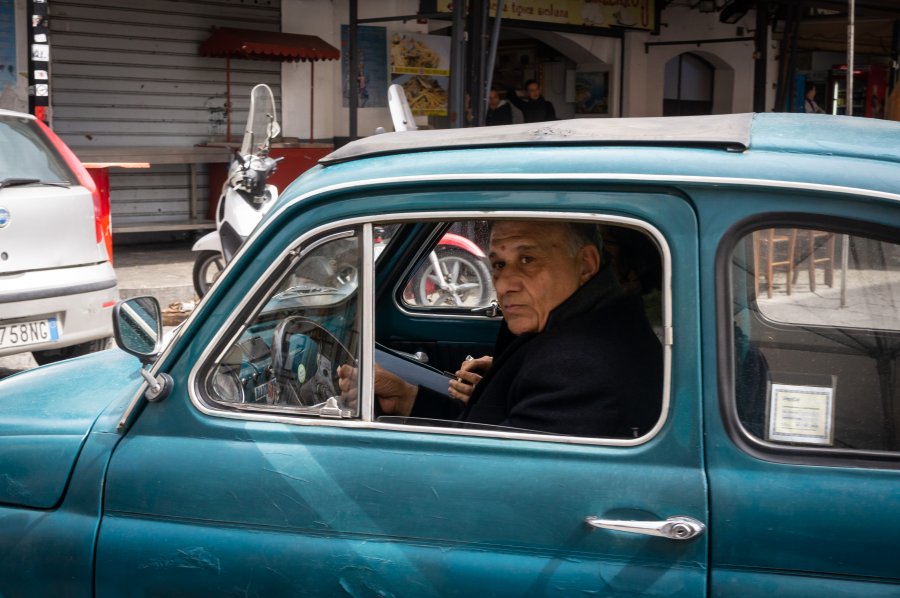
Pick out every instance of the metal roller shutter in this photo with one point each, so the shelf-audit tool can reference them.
(128, 75)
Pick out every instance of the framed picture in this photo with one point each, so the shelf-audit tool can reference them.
(592, 93)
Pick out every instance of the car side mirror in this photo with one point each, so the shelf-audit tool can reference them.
(137, 324)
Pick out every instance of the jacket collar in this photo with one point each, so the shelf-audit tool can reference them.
(598, 292)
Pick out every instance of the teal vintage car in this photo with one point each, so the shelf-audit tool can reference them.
(765, 249)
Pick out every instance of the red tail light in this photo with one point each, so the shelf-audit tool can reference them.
(102, 223)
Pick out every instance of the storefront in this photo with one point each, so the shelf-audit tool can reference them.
(126, 83)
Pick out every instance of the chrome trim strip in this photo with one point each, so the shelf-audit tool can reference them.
(75, 289)
(501, 178)
(194, 390)
(367, 288)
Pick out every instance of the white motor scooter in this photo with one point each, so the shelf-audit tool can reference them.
(245, 197)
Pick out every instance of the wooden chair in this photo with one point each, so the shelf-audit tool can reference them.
(818, 249)
(777, 247)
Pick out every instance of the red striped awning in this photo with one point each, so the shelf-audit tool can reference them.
(227, 42)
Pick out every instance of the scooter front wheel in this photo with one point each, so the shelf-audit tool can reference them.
(207, 267)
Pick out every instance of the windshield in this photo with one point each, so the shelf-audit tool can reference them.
(262, 121)
(25, 153)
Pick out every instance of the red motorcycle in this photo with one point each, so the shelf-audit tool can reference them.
(457, 274)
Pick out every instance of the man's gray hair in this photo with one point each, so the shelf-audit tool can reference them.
(579, 235)
(583, 233)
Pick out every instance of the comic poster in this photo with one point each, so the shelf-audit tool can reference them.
(421, 65)
(371, 76)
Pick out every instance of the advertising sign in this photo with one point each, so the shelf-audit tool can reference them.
(631, 14)
(421, 65)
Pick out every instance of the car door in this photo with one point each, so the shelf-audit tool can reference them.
(803, 447)
(219, 490)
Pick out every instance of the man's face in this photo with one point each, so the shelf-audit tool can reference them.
(493, 99)
(533, 91)
(534, 271)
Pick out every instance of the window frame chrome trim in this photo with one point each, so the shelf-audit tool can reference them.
(207, 358)
(732, 425)
(366, 386)
(285, 260)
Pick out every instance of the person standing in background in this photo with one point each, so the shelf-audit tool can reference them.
(535, 108)
(499, 111)
(810, 106)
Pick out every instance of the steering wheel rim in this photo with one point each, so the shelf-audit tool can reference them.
(328, 344)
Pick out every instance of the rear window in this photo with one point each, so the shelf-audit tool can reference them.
(26, 154)
(816, 322)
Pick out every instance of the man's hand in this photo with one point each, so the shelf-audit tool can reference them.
(469, 374)
(348, 382)
(395, 395)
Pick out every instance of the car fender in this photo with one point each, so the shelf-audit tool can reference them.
(454, 240)
(46, 415)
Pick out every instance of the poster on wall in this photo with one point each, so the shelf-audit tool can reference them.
(421, 65)
(633, 14)
(7, 52)
(592, 93)
(371, 76)
(38, 58)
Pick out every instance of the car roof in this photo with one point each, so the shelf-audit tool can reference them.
(780, 132)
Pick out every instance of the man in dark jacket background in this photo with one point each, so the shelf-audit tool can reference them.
(499, 111)
(575, 354)
(535, 108)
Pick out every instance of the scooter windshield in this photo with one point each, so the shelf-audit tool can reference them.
(262, 121)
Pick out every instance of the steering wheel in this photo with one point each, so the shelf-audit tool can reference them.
(302, 387)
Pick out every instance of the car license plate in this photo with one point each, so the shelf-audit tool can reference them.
(28, 333)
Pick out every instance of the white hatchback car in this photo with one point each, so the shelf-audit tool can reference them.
(57, 285)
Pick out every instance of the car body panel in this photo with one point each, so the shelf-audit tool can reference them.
(769, 510)
(50, 551)
(44, 423)
(63, 215)
(80, 298)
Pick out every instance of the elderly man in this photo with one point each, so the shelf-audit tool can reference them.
(575, 355)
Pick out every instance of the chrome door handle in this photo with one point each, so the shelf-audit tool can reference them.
(674, 528)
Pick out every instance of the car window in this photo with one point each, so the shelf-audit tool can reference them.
(455, 273)
(816, 325)
(286, 358)
(591, 374)
(599, 373)
(24, 153)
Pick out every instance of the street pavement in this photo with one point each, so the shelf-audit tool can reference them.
(162, 270)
